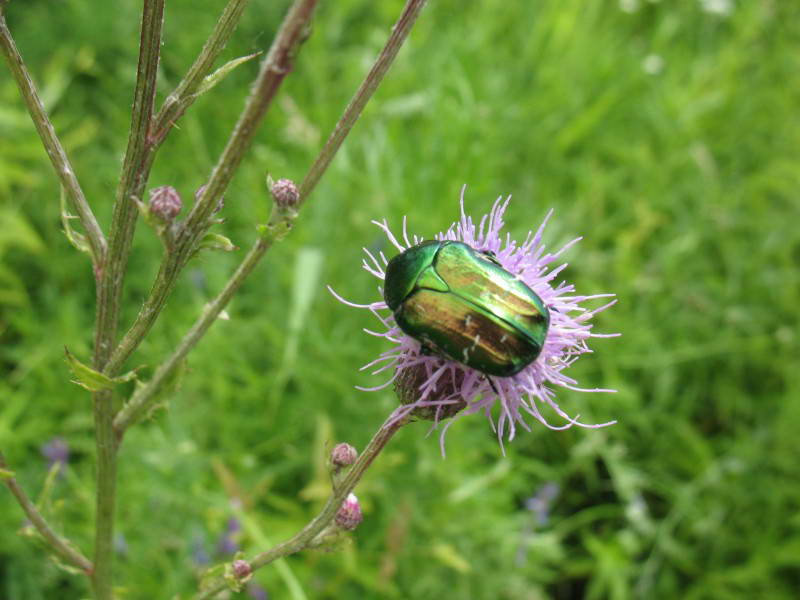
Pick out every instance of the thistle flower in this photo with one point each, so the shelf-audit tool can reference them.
(343, 455)
(349, 515)
(165, 203)
(434, 387)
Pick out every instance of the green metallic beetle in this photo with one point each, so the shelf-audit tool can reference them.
(462, 304)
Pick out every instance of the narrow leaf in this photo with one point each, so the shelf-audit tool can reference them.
(75, 238)
(214, 78)
(93, 380)
(6, 474)
(215, 241)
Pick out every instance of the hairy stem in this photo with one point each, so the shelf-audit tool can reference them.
(274, 69)
(58, 157)
(304, 538)
(373, 79)
(184, 95)
(146, 395)
(60, 545)
(109, 290)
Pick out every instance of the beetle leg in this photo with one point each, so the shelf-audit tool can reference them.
(491, 383)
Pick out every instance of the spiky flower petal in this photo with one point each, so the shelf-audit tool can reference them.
(434, 387)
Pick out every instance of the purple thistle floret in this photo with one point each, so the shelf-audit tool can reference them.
(447, 388)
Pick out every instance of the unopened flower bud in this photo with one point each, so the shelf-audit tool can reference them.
(220, 205)
(349, 515)
(165, 202)
(443, 402)
(343, 455)
(285, 193)
(242, 569)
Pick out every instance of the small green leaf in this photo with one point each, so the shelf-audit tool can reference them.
(76, 239)
(214, 78)
(215, 241)
(93, 380)
(6, 474)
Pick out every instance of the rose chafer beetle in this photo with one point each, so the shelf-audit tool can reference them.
(462, 304)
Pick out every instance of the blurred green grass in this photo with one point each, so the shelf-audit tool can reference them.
(667, 135)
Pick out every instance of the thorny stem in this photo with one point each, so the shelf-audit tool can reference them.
(109, 289)
(184, 95)
(58, 157)
(144, 398)
(60, 544)
(400, 31)
(305, 537)
(274, 69)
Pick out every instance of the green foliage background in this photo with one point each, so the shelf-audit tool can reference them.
(667, 136)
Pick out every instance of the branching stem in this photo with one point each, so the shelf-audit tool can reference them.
(58, 157)
(304, 538)
(61, 545)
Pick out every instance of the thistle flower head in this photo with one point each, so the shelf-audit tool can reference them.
(349, 514)
(432, 386)
(285, 193)
(165, 202)
(241, 569)
(343, 455)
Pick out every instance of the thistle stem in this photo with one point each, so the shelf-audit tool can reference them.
(184, 95)
(304, 538)
(274, 69)
(58, 157)
(60, 544)
(143, 399)
(135, 168)
(365, 91)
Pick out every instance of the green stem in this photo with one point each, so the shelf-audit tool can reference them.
(305, 537)
(60, 544)
(184, 95)
(109, 290)
(145, 396)
(373, 79)
(273, 70)
(58, 157)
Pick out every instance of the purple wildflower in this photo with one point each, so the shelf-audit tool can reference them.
(200, 556)
(56, 451)
(443, 388)
(228, 543)
(539, 504)
(257, 592)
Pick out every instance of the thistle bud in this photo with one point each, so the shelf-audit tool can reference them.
(443, 402)
(349, 515)
(165, 202)
(285, 193)
(242, 569)
(343, 455)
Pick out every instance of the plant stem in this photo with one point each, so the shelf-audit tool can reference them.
(60, 544)
(184, 95)
(305, 536)
(135, 168)
(273, 70)
(399, 34)
(58, 157)
(170, 267)
(145, 396)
